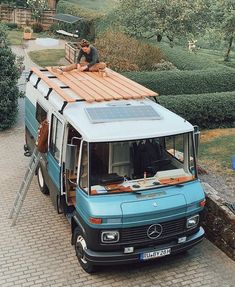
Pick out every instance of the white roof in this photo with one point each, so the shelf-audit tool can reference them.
(168, 124)
(128, 129)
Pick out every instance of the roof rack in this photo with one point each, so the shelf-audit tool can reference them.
(91, 86)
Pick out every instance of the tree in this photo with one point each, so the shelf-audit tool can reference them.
(9, 91)
(37, 7)
(224, 21)
(171, 18)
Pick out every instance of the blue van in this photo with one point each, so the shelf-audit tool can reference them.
(121, 167)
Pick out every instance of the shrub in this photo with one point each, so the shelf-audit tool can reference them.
(184, 60)
(186, 82)
(124, 53)
(9, 91)
(11, 26)
(28, 30)
(37, 28)
(164, 66)
(212, 110)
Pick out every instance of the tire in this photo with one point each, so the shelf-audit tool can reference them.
(80, 246)
(41, 181)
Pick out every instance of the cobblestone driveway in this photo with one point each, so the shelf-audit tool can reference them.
(37, 251)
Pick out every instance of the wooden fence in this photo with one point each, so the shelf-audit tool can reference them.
(71, 52)
(23, 16)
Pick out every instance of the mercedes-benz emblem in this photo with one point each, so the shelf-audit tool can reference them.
(154, 231)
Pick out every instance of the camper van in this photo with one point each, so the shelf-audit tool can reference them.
(121, 167)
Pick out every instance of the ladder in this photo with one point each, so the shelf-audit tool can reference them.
(21, 194)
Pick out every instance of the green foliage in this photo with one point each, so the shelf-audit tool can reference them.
(205, 110)
(37, 27)
(77, 10)
(11, 26)
(9, 75)
(86, 26)
(143, 18)
(223, 12)
(99, 5)
(123, 53)
(184, 60)
(186, 82)
(37, 7)
(14, 3)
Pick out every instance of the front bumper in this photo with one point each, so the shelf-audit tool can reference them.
(118, 257)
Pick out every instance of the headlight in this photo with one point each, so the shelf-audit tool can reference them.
(192, 221)
(109, 236)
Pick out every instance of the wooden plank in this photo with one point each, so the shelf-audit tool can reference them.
(52, 85)
(148, 92)
(130, 94)
(65, 78)
(97, 83)
(83, 85)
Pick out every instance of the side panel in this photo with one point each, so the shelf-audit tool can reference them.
(30, 117)
(54, 170)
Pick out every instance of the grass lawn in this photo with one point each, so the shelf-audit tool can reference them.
(217, 148)
(99, 5)
(48, 57)
(16, 36)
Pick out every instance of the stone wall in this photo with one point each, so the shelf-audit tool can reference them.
(219, 222)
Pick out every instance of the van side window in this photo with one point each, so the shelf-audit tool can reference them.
(56, 138)
(41, 114)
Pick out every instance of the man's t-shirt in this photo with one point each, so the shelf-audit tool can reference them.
(92, 58)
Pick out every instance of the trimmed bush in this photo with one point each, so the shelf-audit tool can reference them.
(186, 82)
(184, 60)
(213, 110)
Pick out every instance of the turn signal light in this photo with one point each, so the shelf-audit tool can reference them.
(202, 203)
(95, 220)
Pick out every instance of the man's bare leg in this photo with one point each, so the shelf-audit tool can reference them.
(62, 69)
(97, 67)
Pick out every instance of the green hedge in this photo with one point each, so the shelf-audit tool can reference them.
(77, 10)
(184, 60)
(85, 27)
(186, 82)
(205, 110)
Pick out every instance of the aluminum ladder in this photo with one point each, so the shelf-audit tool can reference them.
(21, 194)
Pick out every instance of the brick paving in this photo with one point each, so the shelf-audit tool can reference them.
(37, 251)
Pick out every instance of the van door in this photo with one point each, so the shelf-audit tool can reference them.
(55, 150)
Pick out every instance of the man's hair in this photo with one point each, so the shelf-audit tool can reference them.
(84, 43)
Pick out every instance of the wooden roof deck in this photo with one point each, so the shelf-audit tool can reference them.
(93, 86)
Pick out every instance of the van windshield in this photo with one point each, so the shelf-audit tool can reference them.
(138, 165)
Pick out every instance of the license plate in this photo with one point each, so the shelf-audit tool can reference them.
(155, 254)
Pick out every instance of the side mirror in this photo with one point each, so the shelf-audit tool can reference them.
(70, 161)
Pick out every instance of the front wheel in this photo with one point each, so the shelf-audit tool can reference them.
(80, 247)
(41, 181)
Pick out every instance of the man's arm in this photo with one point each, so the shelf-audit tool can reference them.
(80, 54)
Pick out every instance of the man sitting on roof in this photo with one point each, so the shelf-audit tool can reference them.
(91, 63)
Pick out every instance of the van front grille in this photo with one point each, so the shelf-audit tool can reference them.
(139, 234)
